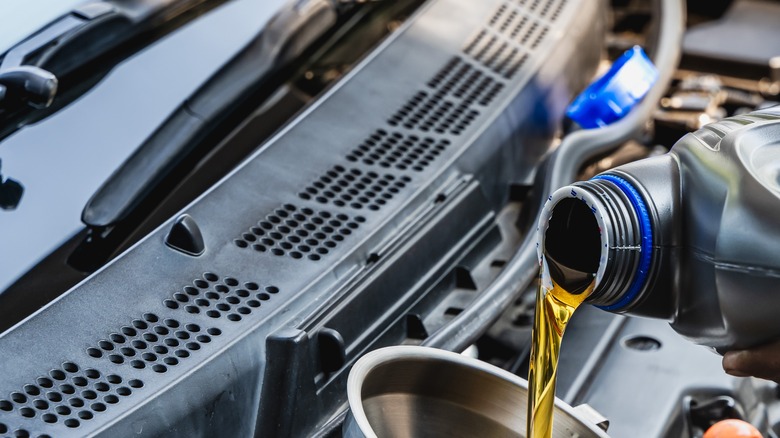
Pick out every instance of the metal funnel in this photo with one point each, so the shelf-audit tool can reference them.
(413, 392)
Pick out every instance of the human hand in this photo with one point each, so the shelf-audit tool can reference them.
(762, 362)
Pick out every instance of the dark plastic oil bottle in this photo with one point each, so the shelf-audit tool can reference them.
(692, 236)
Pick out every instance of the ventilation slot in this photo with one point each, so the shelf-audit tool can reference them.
(457, 90)
(398, 150)
(67, 395)
(548, 6)
(483, 47)
(502, 57)
(436, 114)
(541, 7)
(299, 233)
(510, 19)
(149, 343)
(216, 299)
(519, 27)
(498, 14)
(558, 10)
(539, 37)
(512, 32)
(469, 49)
(527, 35)
(445, 72)
(355, 188)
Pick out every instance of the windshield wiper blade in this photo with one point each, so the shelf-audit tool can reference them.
(287, 35)
(67, 57)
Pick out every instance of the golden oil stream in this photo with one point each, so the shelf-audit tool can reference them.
(554, 308)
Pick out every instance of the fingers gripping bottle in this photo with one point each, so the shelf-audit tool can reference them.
(692, 236)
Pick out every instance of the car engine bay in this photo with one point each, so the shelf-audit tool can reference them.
(379, 188)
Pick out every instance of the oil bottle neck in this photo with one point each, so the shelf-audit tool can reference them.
(599, 229)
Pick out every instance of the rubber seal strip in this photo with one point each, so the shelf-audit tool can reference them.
(645, 245)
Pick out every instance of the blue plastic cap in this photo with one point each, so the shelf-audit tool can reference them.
(613, 95)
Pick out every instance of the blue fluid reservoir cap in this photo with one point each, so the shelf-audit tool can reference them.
(613, 95)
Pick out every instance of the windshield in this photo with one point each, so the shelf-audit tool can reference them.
(24, 17)
(62, 160)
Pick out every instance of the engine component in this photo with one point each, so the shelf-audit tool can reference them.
(320, 246)
(741, 44)
(614, 94)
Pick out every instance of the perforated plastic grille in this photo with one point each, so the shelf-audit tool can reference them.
(514, 31)
(354, 188)
(218, 297)
(498, 56)
(418, 133)
(460, 79)
(450, 103)
(154, 344)
(299, 232)
(67, 395)
(397, 150)
(552, 9)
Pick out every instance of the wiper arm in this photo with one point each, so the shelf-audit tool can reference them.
(27, 85)
(285, 37)
(75, 51)
(31, 50)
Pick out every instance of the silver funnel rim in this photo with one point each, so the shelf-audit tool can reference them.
(383, 356)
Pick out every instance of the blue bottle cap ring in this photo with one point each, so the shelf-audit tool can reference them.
(613, 95)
